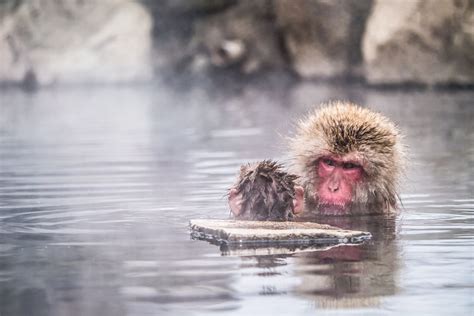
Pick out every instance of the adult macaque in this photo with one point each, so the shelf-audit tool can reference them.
(265, 192)
(348, 160)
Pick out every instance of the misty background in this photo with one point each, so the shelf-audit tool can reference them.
(384, 42)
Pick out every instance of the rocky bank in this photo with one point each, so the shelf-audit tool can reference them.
(382, 42)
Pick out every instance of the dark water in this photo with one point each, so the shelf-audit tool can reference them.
(97, 187)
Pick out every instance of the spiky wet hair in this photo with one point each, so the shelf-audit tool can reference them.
(267, 191)
(343, 128)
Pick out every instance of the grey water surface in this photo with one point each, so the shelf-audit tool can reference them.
(97, 186)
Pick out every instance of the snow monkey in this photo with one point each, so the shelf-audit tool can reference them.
(348, 160)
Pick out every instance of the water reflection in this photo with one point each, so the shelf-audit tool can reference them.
(353, 276)
(343, 276)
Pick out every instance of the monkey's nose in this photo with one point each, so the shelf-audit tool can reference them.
(333, 186)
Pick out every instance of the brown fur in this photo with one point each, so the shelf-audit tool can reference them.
(267, 192)
(342, 128)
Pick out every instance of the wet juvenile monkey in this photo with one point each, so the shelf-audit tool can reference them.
(266, 192)
(348, 159)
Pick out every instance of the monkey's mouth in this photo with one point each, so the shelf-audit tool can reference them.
(334, 209)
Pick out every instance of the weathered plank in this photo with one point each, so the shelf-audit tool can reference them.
(232, 232)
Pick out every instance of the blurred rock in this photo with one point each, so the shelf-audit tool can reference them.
(44, 42)
(174, 55)
(243, 37)
(420, 41)
(322, 37)
(68, 42)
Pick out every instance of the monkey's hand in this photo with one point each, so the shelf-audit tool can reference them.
(235, 202)
(298, 201)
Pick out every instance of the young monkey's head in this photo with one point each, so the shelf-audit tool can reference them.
(264, 191)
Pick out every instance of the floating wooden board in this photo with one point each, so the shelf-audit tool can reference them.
(234, 233)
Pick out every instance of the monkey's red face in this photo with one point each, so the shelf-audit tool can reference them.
(337, 180)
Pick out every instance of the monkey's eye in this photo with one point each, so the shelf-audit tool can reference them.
(329, 162)
(350, 165)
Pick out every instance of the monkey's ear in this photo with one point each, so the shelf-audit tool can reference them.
(298, 201)
(235, 202)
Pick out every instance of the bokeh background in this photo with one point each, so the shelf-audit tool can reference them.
(380, 42)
